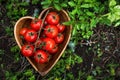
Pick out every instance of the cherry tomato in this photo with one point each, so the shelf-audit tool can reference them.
(36, 24)
(61, 28)
(30, 35)
(59, 38)
(23, 31)
(52, 18)
(51, 31)
(54, 50)
(27, 50)
(48, 44)
(41, 56)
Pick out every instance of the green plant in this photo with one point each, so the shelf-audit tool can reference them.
(16, 51)
(113, 14)
(35, 1)
(9, 31)
(26, 75)
(14, 11)
(64, 66)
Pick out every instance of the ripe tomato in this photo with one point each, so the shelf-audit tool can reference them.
(36, 24)
(41, 56)
(27, 50)
(61, 28)
(54, 50)
(52, 18)
(59, 38)
(51, 31)
(49, 44)
(30, 35)
(23, 31)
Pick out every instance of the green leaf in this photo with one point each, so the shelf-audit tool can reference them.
(7, 73)
(89, 1)
(117, 8)
(117, 24)
(32, 78)
(86, 5)
(90, 78)
(57, 7)
(74, 11)
(111, 17)
(79, 60)
(105, 21)
(14, 49)
(55, 1)
(112, 71)
(28, 73)
(78, 26)
(45, 2)
(90, 13)
(71, 3)
(63, 5)
(68, 23)
(74, 32)
(112, 3)
(93, 23)
(82, 26)
(1, 51)
(46, 6)
(13, 78)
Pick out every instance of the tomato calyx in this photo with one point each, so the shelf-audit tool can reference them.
(59, 34)
(31, 33)
(35, 20)
(39, 56)
(27, 47)
(42, 45)
(54, 17)
(50, 30)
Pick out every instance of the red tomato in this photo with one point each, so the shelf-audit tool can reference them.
(59, 38)
(52, 18)
(36, 24)
(30, 35)
(49, 44)
(54, 50)
(27, 50)
(61, 28)
(51, 31)
(23, 31)
(41, 56)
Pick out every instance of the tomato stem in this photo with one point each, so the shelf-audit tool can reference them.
(43, 20)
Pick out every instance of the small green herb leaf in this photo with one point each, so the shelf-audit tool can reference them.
(112, 3)
(71, 3)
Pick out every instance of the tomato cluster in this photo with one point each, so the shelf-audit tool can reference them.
(44, 45)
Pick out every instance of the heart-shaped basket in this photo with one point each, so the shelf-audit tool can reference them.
(43, 69)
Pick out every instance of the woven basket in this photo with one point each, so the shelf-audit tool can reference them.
(43, 69)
